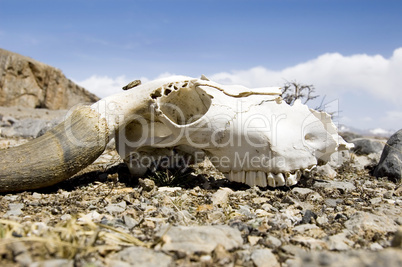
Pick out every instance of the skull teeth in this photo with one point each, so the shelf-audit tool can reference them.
(259, 178)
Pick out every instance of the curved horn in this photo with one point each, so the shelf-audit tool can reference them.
(57, 155)
(76, 142)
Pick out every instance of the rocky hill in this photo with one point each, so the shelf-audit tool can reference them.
(26, 82)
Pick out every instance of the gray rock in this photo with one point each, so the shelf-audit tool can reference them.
(139, 256)
(331, 202)
(339, 242)
(387, 257)
(116, 208)
(301, 192)
(221, 197)
(376, 246)
(272, 242)
(315, 197)
(191, 239)
(365, 161)
(20, 252)
(304, 227)
(391, 158)
(53, 263)
(362, 222)
(365, 146)
(14, 209)
(309, 242)
(341, 185)
(376, 200)
(326, 171)
(264, 258)
(338, 158)
(307, 216)
(130, 221)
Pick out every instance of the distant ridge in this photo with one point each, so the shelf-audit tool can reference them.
(377, 132)
(26, 82)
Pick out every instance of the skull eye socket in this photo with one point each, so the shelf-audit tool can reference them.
(185, 105)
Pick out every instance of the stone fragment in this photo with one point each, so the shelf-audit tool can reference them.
(376, 246)
(339, 242)
(116, 208)
(326, 171)
(376, 200)
(363, 223)
(130, 221)
(331, 202)
(139, 256)
(308, 214)
(321, 220)
(391, 158)
(264, 258)
(221, 256)
(221, 197)
(202, 239)
(315, 197)
(340, 185)
(253, 239)
(21, 253)
(14, 209)
(53, 263)
(364, 161)
(301, 192)
(260, 200)
(358, 258)
(309, 242)
(339, 158)
(272, 242)
(304, 227)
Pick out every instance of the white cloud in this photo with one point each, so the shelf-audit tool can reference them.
(331, 74)
(104, 86)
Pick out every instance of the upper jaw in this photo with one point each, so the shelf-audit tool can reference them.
(263, 179)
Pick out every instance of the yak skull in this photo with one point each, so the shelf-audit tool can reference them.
(250, 135)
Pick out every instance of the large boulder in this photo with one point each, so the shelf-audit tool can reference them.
(391, 158)
(26, 82)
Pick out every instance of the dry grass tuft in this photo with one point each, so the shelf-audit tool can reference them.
(67, 239)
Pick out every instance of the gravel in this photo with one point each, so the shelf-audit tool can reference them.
(102, 217)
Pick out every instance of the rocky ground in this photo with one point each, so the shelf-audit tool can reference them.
(102, 217)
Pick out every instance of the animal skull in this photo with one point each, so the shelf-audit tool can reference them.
(250, 135)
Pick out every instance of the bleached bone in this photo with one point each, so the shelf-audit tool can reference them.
(251, 135)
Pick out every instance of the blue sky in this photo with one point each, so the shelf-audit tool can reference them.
(350, 50)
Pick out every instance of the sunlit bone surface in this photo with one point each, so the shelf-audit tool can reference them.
(250, 135)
